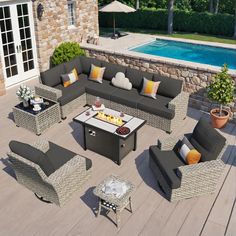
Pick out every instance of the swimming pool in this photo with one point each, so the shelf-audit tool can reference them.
(204, 54)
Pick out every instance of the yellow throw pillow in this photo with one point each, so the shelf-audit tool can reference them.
(96, 73)
(193, 157)
(68, 79)
(150, 88)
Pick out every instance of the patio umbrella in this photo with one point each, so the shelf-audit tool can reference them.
(114, 7)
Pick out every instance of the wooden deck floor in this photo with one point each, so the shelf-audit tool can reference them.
(21, 213)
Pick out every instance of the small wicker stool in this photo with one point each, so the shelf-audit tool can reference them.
(112, 203)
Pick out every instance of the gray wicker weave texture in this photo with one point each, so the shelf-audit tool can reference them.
(39, 122)
(197, 179)
(120, 203)
(59, 186)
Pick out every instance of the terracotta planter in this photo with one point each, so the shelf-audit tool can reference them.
(219, 121)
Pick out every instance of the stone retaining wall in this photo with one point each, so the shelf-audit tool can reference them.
(194, 80)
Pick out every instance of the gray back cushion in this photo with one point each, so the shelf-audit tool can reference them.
(86, 63)
(75, 63)
(112, 69)
(52, 77)
(136, 77)
(168, 87)
(207, 140)
(32, 154)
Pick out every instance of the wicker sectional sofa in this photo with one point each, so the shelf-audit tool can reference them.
(165, 112)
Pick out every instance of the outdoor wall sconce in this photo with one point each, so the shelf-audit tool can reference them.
(40, 11)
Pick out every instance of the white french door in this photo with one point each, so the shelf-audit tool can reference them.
(17, 42)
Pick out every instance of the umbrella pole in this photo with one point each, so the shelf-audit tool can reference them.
(114, 26)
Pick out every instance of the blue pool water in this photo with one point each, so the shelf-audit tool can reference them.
(210, 55)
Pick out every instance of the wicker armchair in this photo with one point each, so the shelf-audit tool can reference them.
(59, 186)
(190, 180)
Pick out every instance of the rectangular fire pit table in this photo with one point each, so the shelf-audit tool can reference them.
(37, 121)
(111, 201)
(100, 136)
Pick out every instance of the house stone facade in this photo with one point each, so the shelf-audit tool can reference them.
(53, 28)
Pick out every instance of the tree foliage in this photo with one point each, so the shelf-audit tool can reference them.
(225, 6)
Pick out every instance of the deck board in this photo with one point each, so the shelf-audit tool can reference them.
(152, 214)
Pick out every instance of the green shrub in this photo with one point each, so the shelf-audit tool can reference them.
(186, 21)
(66, 52)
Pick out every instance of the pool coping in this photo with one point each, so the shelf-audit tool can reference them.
(164, 60)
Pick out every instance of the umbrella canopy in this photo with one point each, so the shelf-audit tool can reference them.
(114, 7)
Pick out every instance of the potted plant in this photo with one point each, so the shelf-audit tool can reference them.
(221, 90)
(24, 94)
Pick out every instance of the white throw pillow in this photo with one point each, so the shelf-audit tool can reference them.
(184, 150)
(121, 82)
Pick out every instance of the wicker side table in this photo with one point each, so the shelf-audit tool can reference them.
(112, 203)
(39, 121)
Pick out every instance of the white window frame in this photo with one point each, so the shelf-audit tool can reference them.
(71, 4)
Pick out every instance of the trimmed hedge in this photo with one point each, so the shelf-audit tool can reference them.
(186, 21)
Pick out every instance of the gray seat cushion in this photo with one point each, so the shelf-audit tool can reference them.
(168, 87)
(128, 98)
(167, 162)
(86, 63)
(75, 63)
(52, 77)
(112, 69)
(156, 106)
(207, 140)
(73, 91)
(58, 156)
(103, 90)
(136, 77)
(34, 155)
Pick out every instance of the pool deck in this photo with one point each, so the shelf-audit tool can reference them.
(21, 213)
(122, 45)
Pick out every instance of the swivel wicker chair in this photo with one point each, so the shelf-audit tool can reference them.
(48, 170)
(179, 180)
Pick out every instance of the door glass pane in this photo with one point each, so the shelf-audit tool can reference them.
(11, 48)
(7, 63)
(22, 34)
(26, 68)
(4, 38)
(26, 21)
(2, 25)
(25, 9)
(8, 25)
(10, 37)
(6, 12)
(8, 71)
(14, 70)
(5, 50)
(23, 45)
(19, 10)
(20, 20)
(31, 65)
(13, 60)
(1, 13)
(27, 32)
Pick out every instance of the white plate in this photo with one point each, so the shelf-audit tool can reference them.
(37, 109)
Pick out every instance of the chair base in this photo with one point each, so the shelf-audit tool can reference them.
(42, 198)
